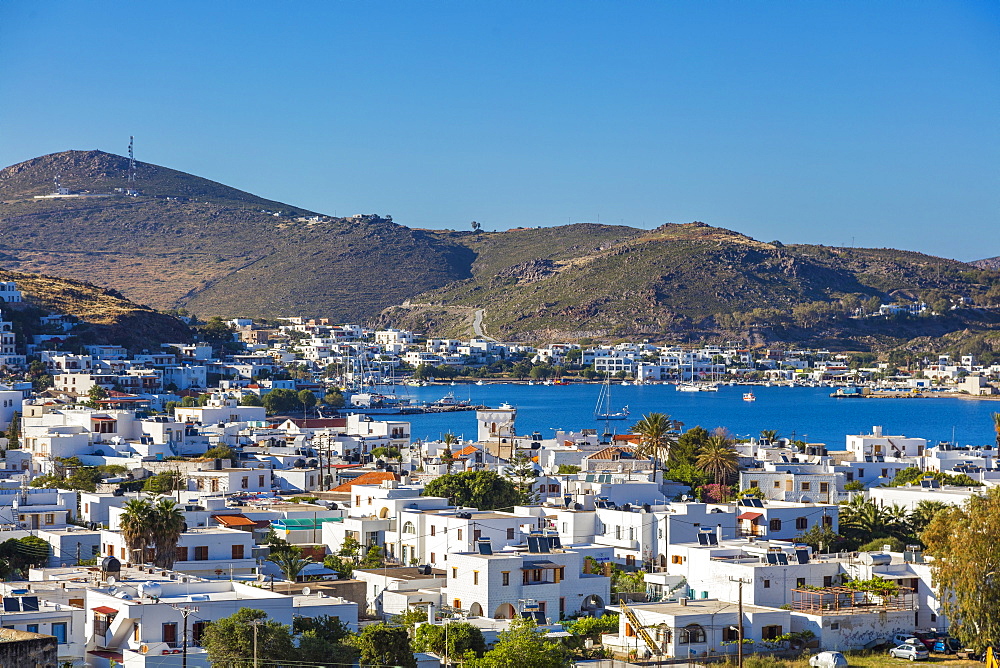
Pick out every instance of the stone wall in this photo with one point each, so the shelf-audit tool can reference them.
(27, 650)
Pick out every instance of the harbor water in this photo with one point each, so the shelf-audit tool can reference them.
(807, 413)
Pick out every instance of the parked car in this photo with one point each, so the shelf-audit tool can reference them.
(910, 651)
(946, 645)
(828, 660)
(906, 639)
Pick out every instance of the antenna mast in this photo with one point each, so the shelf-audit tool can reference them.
(131, 190)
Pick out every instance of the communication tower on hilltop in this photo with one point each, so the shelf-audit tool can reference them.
(131, 189)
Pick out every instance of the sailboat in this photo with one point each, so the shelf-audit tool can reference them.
(603, 410)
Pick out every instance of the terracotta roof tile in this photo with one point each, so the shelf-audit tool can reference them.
(370, 478)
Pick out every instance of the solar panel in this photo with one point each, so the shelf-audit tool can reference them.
(29, 603)
(771, 558)
(543, 544)
(532, 543)
(802, 556)
(555, 543)
(781, 559)
(703, 539)
(11, 604)
(485, 547)
(712, 539)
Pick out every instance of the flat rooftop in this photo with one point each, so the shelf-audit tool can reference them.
(403, 572)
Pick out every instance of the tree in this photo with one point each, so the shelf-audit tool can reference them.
(965, 543)
(654, 437)
(19, 554)
(251, 399)
(95, 394)
(334, 398)
(568, 469)
(166, 526)
(14, 431)
(136, 527)
(344, 567)
(322, 640)
(461, 638)
(307, 399)
(373, 558)
(863, 520)
(822, 538)
(383, 645)
(230, 641)
(163, 483)
(290, 563)
(475, 226)
(281, 400)
(522, 645)
(350, 547)
(485, 490)
(996, 427)
(718, 458)
(221, 452)
(769, 435)
(521, 471)
(923, 514)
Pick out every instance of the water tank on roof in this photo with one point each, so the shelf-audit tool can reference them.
(875, 558)
(151, 589)
(299, 463)
(111, 565)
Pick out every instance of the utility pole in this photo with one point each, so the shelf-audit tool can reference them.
(255, 623)
(186, 612)
(739, 646)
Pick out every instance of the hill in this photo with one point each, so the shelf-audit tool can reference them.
(189, 242)
(105, 316)
(988, 263)
(694, 280)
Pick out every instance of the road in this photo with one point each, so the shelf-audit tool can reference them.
(477, 325)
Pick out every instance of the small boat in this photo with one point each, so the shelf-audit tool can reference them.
(686, 387)
(449, 400)
(748, 396)
(479, 382)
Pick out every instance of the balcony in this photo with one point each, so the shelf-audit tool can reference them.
(620, 543)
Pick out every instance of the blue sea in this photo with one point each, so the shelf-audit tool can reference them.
(805, 413)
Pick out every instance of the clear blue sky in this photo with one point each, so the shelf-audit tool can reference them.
(817, 122)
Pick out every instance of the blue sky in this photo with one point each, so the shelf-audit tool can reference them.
(871, 122)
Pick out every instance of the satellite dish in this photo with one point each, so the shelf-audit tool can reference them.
(306, 591)
(112, 579)
(112, 590)
(684, 497)
(551, 470)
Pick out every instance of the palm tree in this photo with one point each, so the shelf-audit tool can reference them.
(167, 525)
(923, 513)
(863, 520)
(769, 435)
(290, 563)
(136, 527)
(654, 437)
(446, 455)
(718, 458)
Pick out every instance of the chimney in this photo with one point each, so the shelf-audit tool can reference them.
(431, 612)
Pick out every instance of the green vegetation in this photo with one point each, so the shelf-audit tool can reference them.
(17, 555)
(485, 490)
(914, 475)
(146, 525)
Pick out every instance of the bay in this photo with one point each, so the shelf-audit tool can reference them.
(807, 413)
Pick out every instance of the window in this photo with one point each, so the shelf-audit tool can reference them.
(201, 553)
(729, 634)
(510, 533)
(767, 584)
(536, 575)
(885, 473)
(59, 631)
(824, 487)
(618, 532)
(506, 578)
(770, 632)
(827, 520)
(777, 484)
(409, 528)
(196, 632)
(805, 486)
(834, 626)
(237, 551)
(454, 572)
(181, 554)
(476, 534)
(692, 634)
(775, 525)
(800, 582)
(433, 530)
(850, 477)
(50, 518)
(170, 634)
(861, 473)
(245, 482)
(260, 481)
(475, 577)
(676, 559)
(801, 523)
(32, 628)
(754, 484)
(524, 577)
(827, 580)
(433, 558)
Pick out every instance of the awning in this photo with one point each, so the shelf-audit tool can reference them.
(297, 524)
(105, 610)
(236, 520)
(537, 565)
(749, 516)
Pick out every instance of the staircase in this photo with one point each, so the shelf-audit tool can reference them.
(633, 620)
